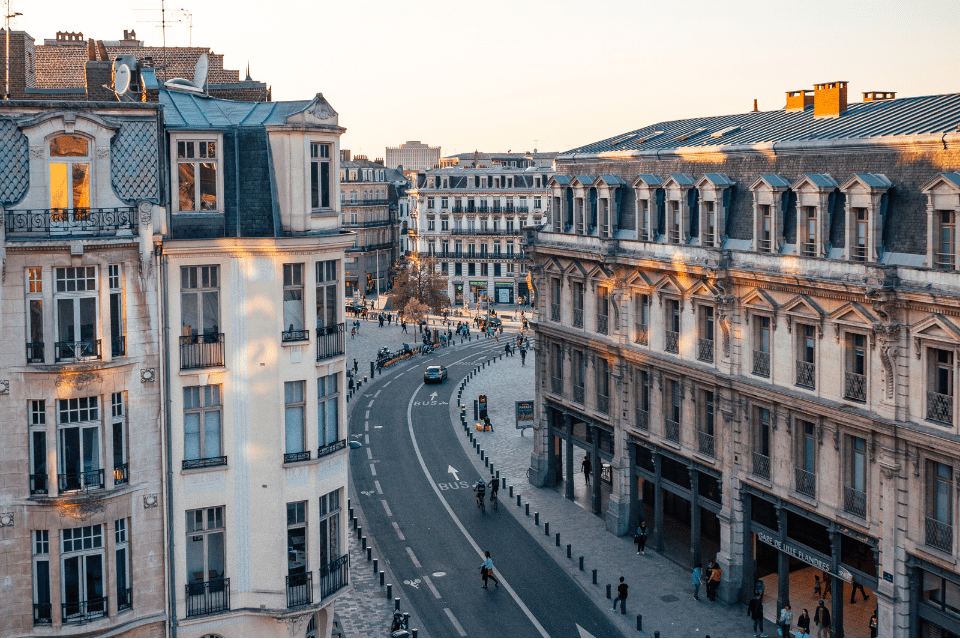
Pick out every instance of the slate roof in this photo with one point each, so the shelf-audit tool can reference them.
(183, 110)
(934, 114)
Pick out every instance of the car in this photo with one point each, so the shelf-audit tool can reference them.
(493, 321)
(354, 307)
(435, 374)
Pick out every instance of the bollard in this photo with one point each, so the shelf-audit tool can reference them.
(569, 551)
(581, 570)
(536, 519)
(511, 492)
(640, 623)
(396, 603)
(371, 372)
(363, 541)
(656, 633)
(528, 505)
(354, 523)
(375, 568)
(546, 529)
(608, 591)
(558, 544)
(491, 468)
(369, 552)
(486, 462)
(623, 606)
(350, 504)
(594, 576)
(389, 591)
(406, 619)
(503, 481)
(498, 477)
(351, 511)
(414, 631)
(381, 577)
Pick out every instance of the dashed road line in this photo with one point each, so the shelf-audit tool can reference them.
(370, 404)
(456, 624)
(366, 439)
(396, 527)
(413, 557)
(367, 416)
(387, 384)
(433, 589)
(377, 484)
(386, 507)
(373, 470)
(369, 453)
(377, 394)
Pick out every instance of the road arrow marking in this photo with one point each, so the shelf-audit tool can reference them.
(453, 471)
(433, 396)
(583, 633)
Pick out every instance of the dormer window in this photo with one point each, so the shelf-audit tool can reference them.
(710, 226)
(769, 201)
(943, 204)
(945, 250)
(815, 194)
(320, 175)
(765, 244)
(197, 176)
(807, 234)
(859, 248)
(674, 222)
(69, 173)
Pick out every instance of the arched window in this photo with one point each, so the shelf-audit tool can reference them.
(69, 172)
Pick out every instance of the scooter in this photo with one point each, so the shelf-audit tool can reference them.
(399, 627)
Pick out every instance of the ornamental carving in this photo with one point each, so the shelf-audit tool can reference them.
(725, 308)
(78, 380)
(103, 152)
(84, 507)
(146, 212)
(888, 334)
(36, 152)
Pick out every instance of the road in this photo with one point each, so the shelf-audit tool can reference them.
(428, 526)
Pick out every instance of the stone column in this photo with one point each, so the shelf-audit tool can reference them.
(633, 490)
(109, 576)
(550, 479)
(657, 504)
(783, 562)
(749, 578)
(597, 467)
(836, 602)
(694, 515)
(56, 583)
(568, 453)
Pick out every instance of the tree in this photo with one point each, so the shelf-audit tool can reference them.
(418, 279)
(415, 312)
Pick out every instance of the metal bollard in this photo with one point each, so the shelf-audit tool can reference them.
(396, 603)
(608, 591)
(536, 519)
(558, 544)
(389, 591)
(486, 462)
(528, 505)
(546, 529)
(414, 631)
(351, 511)
(381, 577)
(581, 569)
(569, 551)
(375, 564)
(406, 619)
(511, 492)
(640, 623)
(656, 633)
(594, 576)
(369, 552)
(491, 468)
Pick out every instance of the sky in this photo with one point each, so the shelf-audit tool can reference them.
(552, 75)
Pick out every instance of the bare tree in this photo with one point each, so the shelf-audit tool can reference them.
(418, 279)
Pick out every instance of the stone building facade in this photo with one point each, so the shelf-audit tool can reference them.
(365, 209)
(750, 323)
(470, 220)
(413, 155)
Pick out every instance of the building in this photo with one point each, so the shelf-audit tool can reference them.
(413, 155)
(478, 160)
(470, 220)
(82, 506)
(367, 210)
(751, 321)
(255, 366)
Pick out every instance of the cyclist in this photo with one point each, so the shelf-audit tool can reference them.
(481, 489)
(494, 488)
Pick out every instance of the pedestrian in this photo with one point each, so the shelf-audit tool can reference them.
(486, 570)
(755, 612)
(697, 579)
(821, 618)
(586, 467)
(353, 333)
(403, 325)
(355, 364)
(350, 385)
(827, 584)
(621, 597)
(853, 592)
(803, 624)
(641, 537)
(785, 620)
(714, 582)
(873, 625)
(487, 424)
(758, 589)
(817, 588)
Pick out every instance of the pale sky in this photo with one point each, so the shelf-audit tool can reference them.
(555, 74)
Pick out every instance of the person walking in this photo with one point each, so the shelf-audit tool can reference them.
(755, 612)
(821, 619)
(586, 467)
(353, 333)
(785, 620)
(486, 570)
(403, 325)
(803, 623)
(697, 579)
(853, 592)
(621, 597)
(523, 357)
(642, 532)
(355, 364)
(714, 582)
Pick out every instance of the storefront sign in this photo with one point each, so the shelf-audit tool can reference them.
(525, 414)
(801, 555)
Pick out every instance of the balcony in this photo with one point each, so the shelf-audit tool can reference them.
(201, 351)
(806, 482)
(761, 465)
(671, 341)
(334, 576)
(77, 351)
(938, 535)
(643, 334)
(808, 249)
(121, 474)
(42, 614)
(80, 482)
(35, 353)
(125, 599)
(84, 611)
(705, 442)
(207, 597)
(38, 484)
(370, 247)
(858, 254)
(855, 387)
(855, 502)
(554, 312)
(557, 385)
(705, 350)
(643, 419)
(299, 589)
(118, 345)
(295, 336)
(602, 322)
(27, 224)
(366, 225)
(329, 449)
(370, 202)
(671, 430)
(469, 231)
(458, 209)
(761, 363)
(330, 341)
(578, 392)
(603, 404)
(578, 318)
(207, 462)
(292, 458)
(940, 408)
(806, 374)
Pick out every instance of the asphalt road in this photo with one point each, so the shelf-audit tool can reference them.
(428, 526)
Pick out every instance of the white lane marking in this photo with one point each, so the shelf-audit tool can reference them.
(366, 440)
(413, 557)
(367, 416)
(386, 508)
(385, 385)
(583, 633)
(456, 520)
(373, 470)
(377, 394)
(398, 376)
(376, 483)
(366, 426)
(396, 527)
(370, 404)
(456, 624)
(432, 588)
(369, 453)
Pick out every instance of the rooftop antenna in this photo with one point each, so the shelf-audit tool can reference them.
(7, 16)
(163, 27)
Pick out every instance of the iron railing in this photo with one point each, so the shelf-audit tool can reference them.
(603, 404)
(334, 576)
(554, 312)
(370, 247)
(806, 482)
(299, 589)
(761, 363)
(944, 261)
(42, 614)
(764, 246)
(859, 254)
(328, 449)
(207, 462)
(201, 351)
(78, 482)
(206, 597)
(672, 430)
(84, 611)
(367, 224)
(578, 393)
(940, 407)
(578, 318)
(806, 374)
(125, 599)
(57, 222)
(938, 535)
(118, 345)
(602, 322)
(35, 353)
(121, 474)
(761, 465)
(643, 419)
(557, 385)
(38, 484)
(808, 249)
(77, 351)
(642, 334)
(330, 341)
(705, 350)
(295, 336)
(370, 202)
(484, 232)
(855, 501)
(671, 341)
(289, 458)
(705, 441)
(855, 386)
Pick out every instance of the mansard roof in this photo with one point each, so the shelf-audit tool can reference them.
(183, 110)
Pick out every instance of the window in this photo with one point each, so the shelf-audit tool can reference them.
(445, 267)
(42, 613)
(603, 310)
(205, 548)
(705, 342)
(320, 176)
(69, 173)
(328, 414)
(119, 433)
(38, 446)
(855, 483)
(578, 304)
(710, 228)
(202, 427)
(82, 574)
(444, 224)
(537, 204)
(484, 269)
(34, 291)
(806, 356)
(122, 566)
(496, 270)
(293, 302)
(807, 232)
(471, 269)
(645, 230)
(672, 326)
(855, 372)
(458, 269)
(431, 224)
(674, 222)
(329, 516)
(117, 339)
(555, 299)
(510, 249)
(940, 386)
(643, 400)
(431, 248)
(76, 304)
(430, 203)
(806, 468)
(945, 252)
(197, 176)
(443, 203)
(672, 409)
(557, 368)
(294, 420)
(761, 444)
(603, 385)
(761, 346)
(766, 230)
(859, 252)
(199, 300)
(707, 413)
(579, 375)
(326, 294)
(78, 426)
(939, 506)
(642, 319)
(297, 538)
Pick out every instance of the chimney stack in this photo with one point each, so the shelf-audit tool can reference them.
(829, 99)
(877, 96)
(799, 100)
(755, 109)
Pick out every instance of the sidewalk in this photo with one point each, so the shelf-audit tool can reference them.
(660, 590)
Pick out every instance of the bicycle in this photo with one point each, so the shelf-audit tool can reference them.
(495, 501)
(481, 505)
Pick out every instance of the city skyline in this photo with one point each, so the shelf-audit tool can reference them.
(486, 83)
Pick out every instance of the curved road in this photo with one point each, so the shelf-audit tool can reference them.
(429, 528)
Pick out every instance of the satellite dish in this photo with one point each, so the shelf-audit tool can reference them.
(121, 79)
(200, 71)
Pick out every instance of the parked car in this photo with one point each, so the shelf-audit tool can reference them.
(435, 374)
(493, 321)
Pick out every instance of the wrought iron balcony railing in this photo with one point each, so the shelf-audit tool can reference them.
(290, 458)
(938, 535)
(940, 408)
(761, 465)
(33, 223)
(118, 345)
(557, 385)
(329, 449)
(299, 589)
(125, 599)
(806, 482)
(121, 474)
(77, 351)
(35, 353)
(578, 393)
(201, 351)
(643, 334)
(705, 442)
(80, 482)
(671, 341)
(334, 576)
(206, 462)
(84, 611)
(370, 247)
(855, 386)
(554, 312)
(671, 430)
(38, 484)
(370, 202)
(484, 232)
(603, 404)
(295, 336)
(42, 614)
(761, 363)
(705, 350)
(602, 322)
(643, 419)
(207, 597)
(330, 341)
(365, 225)
(854, 501)
(806, 374)
(578, 318)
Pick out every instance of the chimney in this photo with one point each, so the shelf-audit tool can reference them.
(877, 96)
(755, 109)
(829, 99)
(799, 100)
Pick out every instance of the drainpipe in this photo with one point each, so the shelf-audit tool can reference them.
(165, 403)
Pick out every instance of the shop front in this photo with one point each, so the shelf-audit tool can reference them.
(478, 292)
(503, 292)
(457, 293)
(935, 598)
(572, 438)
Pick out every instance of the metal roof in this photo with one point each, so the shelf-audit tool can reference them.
(821, 180)
(874, 180)
(195, 111)
(935, 114)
